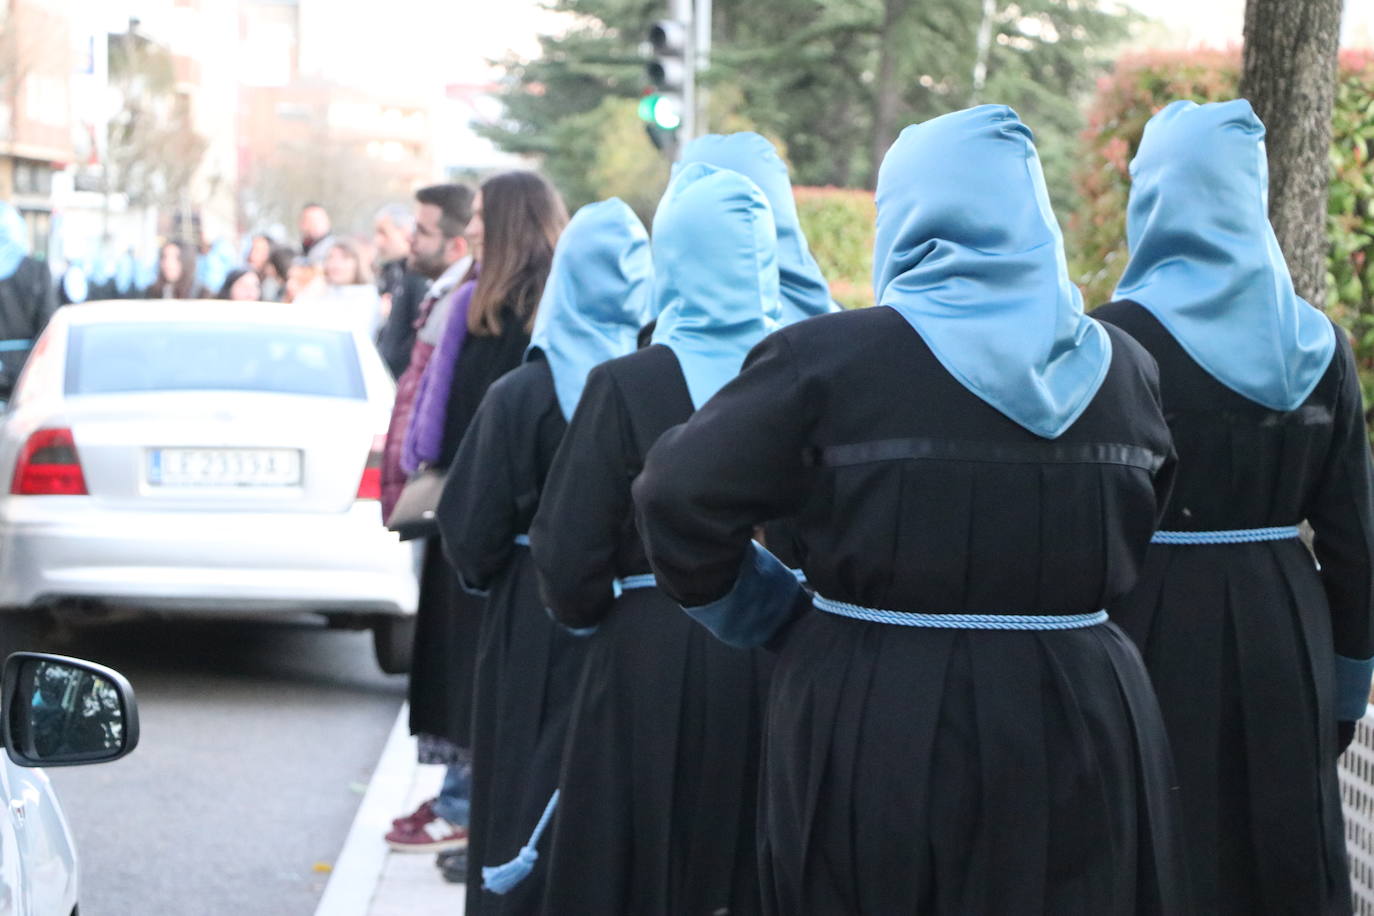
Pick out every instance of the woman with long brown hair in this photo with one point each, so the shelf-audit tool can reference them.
(176, 273)
(516, 221)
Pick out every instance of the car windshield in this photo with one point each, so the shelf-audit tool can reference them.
(110, 358)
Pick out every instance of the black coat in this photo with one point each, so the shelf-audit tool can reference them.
(660, 775)
(1239, 638)
(27, 302)
(407, 290)
(910, 769)
(441, 678)
(527, 665)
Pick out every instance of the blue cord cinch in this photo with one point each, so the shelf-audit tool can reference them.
(1232, 536)
(522, 540)
(502, 879)
(961, 621)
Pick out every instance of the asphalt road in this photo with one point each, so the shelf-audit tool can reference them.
(258, 739)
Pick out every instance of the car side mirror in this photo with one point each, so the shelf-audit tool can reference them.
(60, 712)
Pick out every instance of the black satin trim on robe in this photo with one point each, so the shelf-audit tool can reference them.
(1263, 418)
(930, 449)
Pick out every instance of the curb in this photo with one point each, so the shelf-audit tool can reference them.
(358, 869)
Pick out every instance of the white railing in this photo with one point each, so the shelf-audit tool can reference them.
(1357, 797)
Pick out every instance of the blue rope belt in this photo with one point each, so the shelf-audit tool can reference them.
(962, 621)
(13, 346)
(1234, 536)
(522, 540)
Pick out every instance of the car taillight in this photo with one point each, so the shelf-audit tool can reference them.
(49, 466)
(370, 487)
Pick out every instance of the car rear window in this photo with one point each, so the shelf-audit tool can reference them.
(200, 356)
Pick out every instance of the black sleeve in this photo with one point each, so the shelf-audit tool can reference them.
(1164, 477)
(584, 507)
(477, 512)
(1341, 513)
(44, 299)
(737, 462)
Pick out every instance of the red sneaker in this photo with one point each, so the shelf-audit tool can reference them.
(433, 835)
(421, 814)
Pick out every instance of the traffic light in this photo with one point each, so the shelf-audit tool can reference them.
(661, 111)
(662, 107)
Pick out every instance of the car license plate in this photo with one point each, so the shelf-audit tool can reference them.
(224, 467)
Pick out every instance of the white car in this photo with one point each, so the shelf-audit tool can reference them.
(200, 458)
(57, 712)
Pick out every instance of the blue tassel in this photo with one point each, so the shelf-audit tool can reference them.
(502, 879)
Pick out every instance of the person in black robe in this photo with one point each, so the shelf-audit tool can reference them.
(27, 298)
(804, 291)
(1260, 657)
(975, 467)
(595, 301)
(515, 223)
(657, 793)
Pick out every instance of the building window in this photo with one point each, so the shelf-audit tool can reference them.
(32, 178)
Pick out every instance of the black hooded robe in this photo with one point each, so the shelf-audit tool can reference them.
(1239, 638)
(936, 770)
(660, 774)
(27, 302)
(527, 665)
(441, 676)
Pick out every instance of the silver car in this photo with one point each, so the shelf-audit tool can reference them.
(203, 457)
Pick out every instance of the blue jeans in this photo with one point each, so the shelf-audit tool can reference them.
(454, 803)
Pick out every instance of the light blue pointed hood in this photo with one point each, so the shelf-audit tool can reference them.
(76, 283)
(14, 240)
(804, 290)
(715, 274)
(969, 253)
(146, 274)
(125, 269)
(597, 298)
(213, 269)
(100, 269)
(1204, 259)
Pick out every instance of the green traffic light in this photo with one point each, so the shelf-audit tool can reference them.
(662, 111)
(667, 113)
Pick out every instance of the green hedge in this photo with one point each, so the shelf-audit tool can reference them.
(1144, 83)
(838, 223)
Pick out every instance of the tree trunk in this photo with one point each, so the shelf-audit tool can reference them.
(1289, 76)
(887, 93)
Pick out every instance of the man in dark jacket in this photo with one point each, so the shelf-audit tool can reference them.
(402, 289)
(27, 297)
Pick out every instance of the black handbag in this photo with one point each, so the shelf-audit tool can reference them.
(415, 515)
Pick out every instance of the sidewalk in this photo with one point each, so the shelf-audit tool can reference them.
(370, 880)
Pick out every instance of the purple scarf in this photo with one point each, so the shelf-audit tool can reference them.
(424, 440)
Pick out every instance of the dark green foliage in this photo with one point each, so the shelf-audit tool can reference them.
(809, 73)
